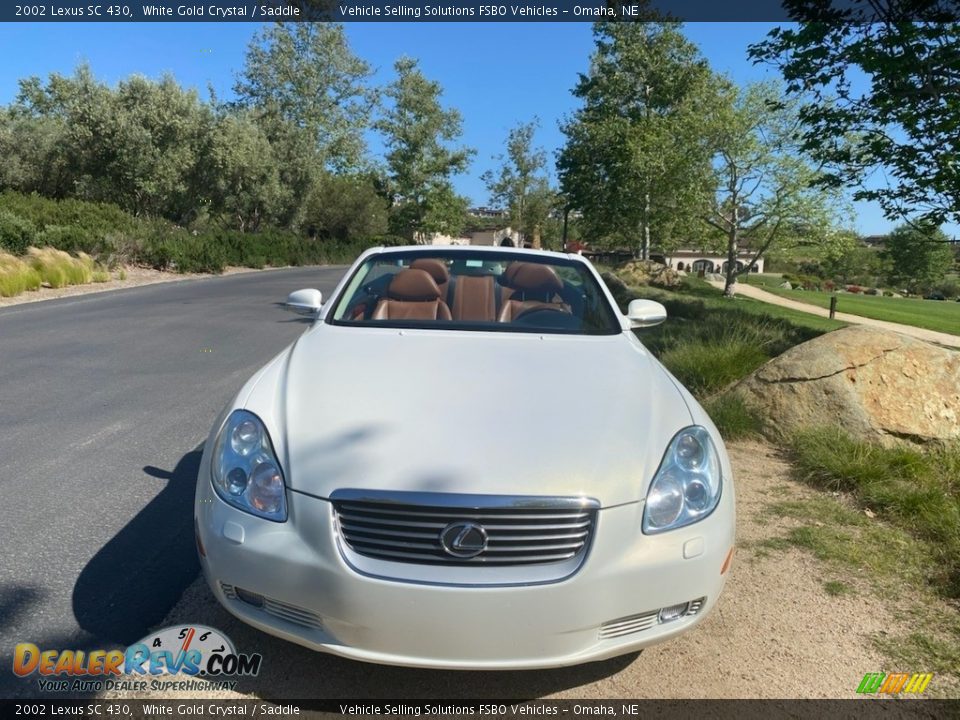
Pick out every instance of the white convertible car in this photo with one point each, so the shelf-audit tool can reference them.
(468, 461)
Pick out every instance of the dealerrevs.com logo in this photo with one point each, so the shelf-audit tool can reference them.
(185, 651)
(894, 683)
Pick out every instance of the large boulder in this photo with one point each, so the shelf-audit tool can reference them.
(648, 272)
(875, 384)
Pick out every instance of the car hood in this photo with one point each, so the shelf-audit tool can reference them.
(468, 412)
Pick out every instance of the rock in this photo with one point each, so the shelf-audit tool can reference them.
(786, 285)
(616, 285)
(874, 384)
(647, 272)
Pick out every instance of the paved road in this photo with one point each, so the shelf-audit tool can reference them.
(940, 338)
(104, 400)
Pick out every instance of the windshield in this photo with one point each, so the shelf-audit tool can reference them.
(476, 291)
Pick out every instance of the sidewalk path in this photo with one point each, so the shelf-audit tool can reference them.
(952, 341)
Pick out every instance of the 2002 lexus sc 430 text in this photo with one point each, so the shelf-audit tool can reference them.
(468, 461)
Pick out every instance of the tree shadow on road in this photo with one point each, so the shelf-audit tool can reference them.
(134, 580)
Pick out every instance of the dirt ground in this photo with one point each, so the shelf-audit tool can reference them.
(776, 633)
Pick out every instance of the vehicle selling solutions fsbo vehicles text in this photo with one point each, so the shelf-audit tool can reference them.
(417, 11)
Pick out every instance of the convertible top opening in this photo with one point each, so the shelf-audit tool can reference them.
(479, 290)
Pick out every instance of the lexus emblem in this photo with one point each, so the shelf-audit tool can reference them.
(463, 539)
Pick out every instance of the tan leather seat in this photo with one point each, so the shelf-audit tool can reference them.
(438, 271)
(412, 295)
(475, 299)
(506, 277)
(534, 286)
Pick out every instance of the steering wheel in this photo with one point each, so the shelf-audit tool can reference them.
(540, 308)
(548, 318)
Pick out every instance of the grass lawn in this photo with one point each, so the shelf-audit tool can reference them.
(940, 315)
(713, 299)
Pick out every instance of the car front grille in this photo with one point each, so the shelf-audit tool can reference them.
(519, 531)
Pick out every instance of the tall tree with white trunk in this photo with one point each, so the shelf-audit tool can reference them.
(767, 192)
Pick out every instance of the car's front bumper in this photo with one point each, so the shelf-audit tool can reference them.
(314, 598)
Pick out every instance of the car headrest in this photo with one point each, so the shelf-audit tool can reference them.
(413, 284)
(433, 267)
(532, 277)
(506, 277)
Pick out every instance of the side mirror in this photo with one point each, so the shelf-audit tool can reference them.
(645, 313)
(305, 302)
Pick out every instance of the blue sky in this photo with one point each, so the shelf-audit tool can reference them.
(496, 74)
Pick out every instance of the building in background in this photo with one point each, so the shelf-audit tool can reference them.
(696, 260)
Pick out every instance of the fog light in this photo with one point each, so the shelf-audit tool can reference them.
(674, 612)
(249, 598)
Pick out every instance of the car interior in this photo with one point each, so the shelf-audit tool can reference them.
(468, 291)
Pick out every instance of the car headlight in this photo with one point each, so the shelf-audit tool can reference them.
(686, 488)
(245, 470)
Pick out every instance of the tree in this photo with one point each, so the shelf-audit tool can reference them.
(34, 154)
(245, 181)
(541, 203)
(919, 256)
(300, 167)
(903, 120)
(520, 185)
(306, 74)
(849, 260)
(345, 209)
(766, 192)
(417, 131)
(141, 146)
(635, 162)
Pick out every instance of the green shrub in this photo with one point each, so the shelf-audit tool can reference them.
(16, 233)
(708, 341)
(733, 418)
(115, 237)
(705, 366)
(100, 276)
(122, 247)
(805, 281)
(919, 490)
(949, 287)
(709, 348)
(198, 255)
(96, 219)
(70, 239)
